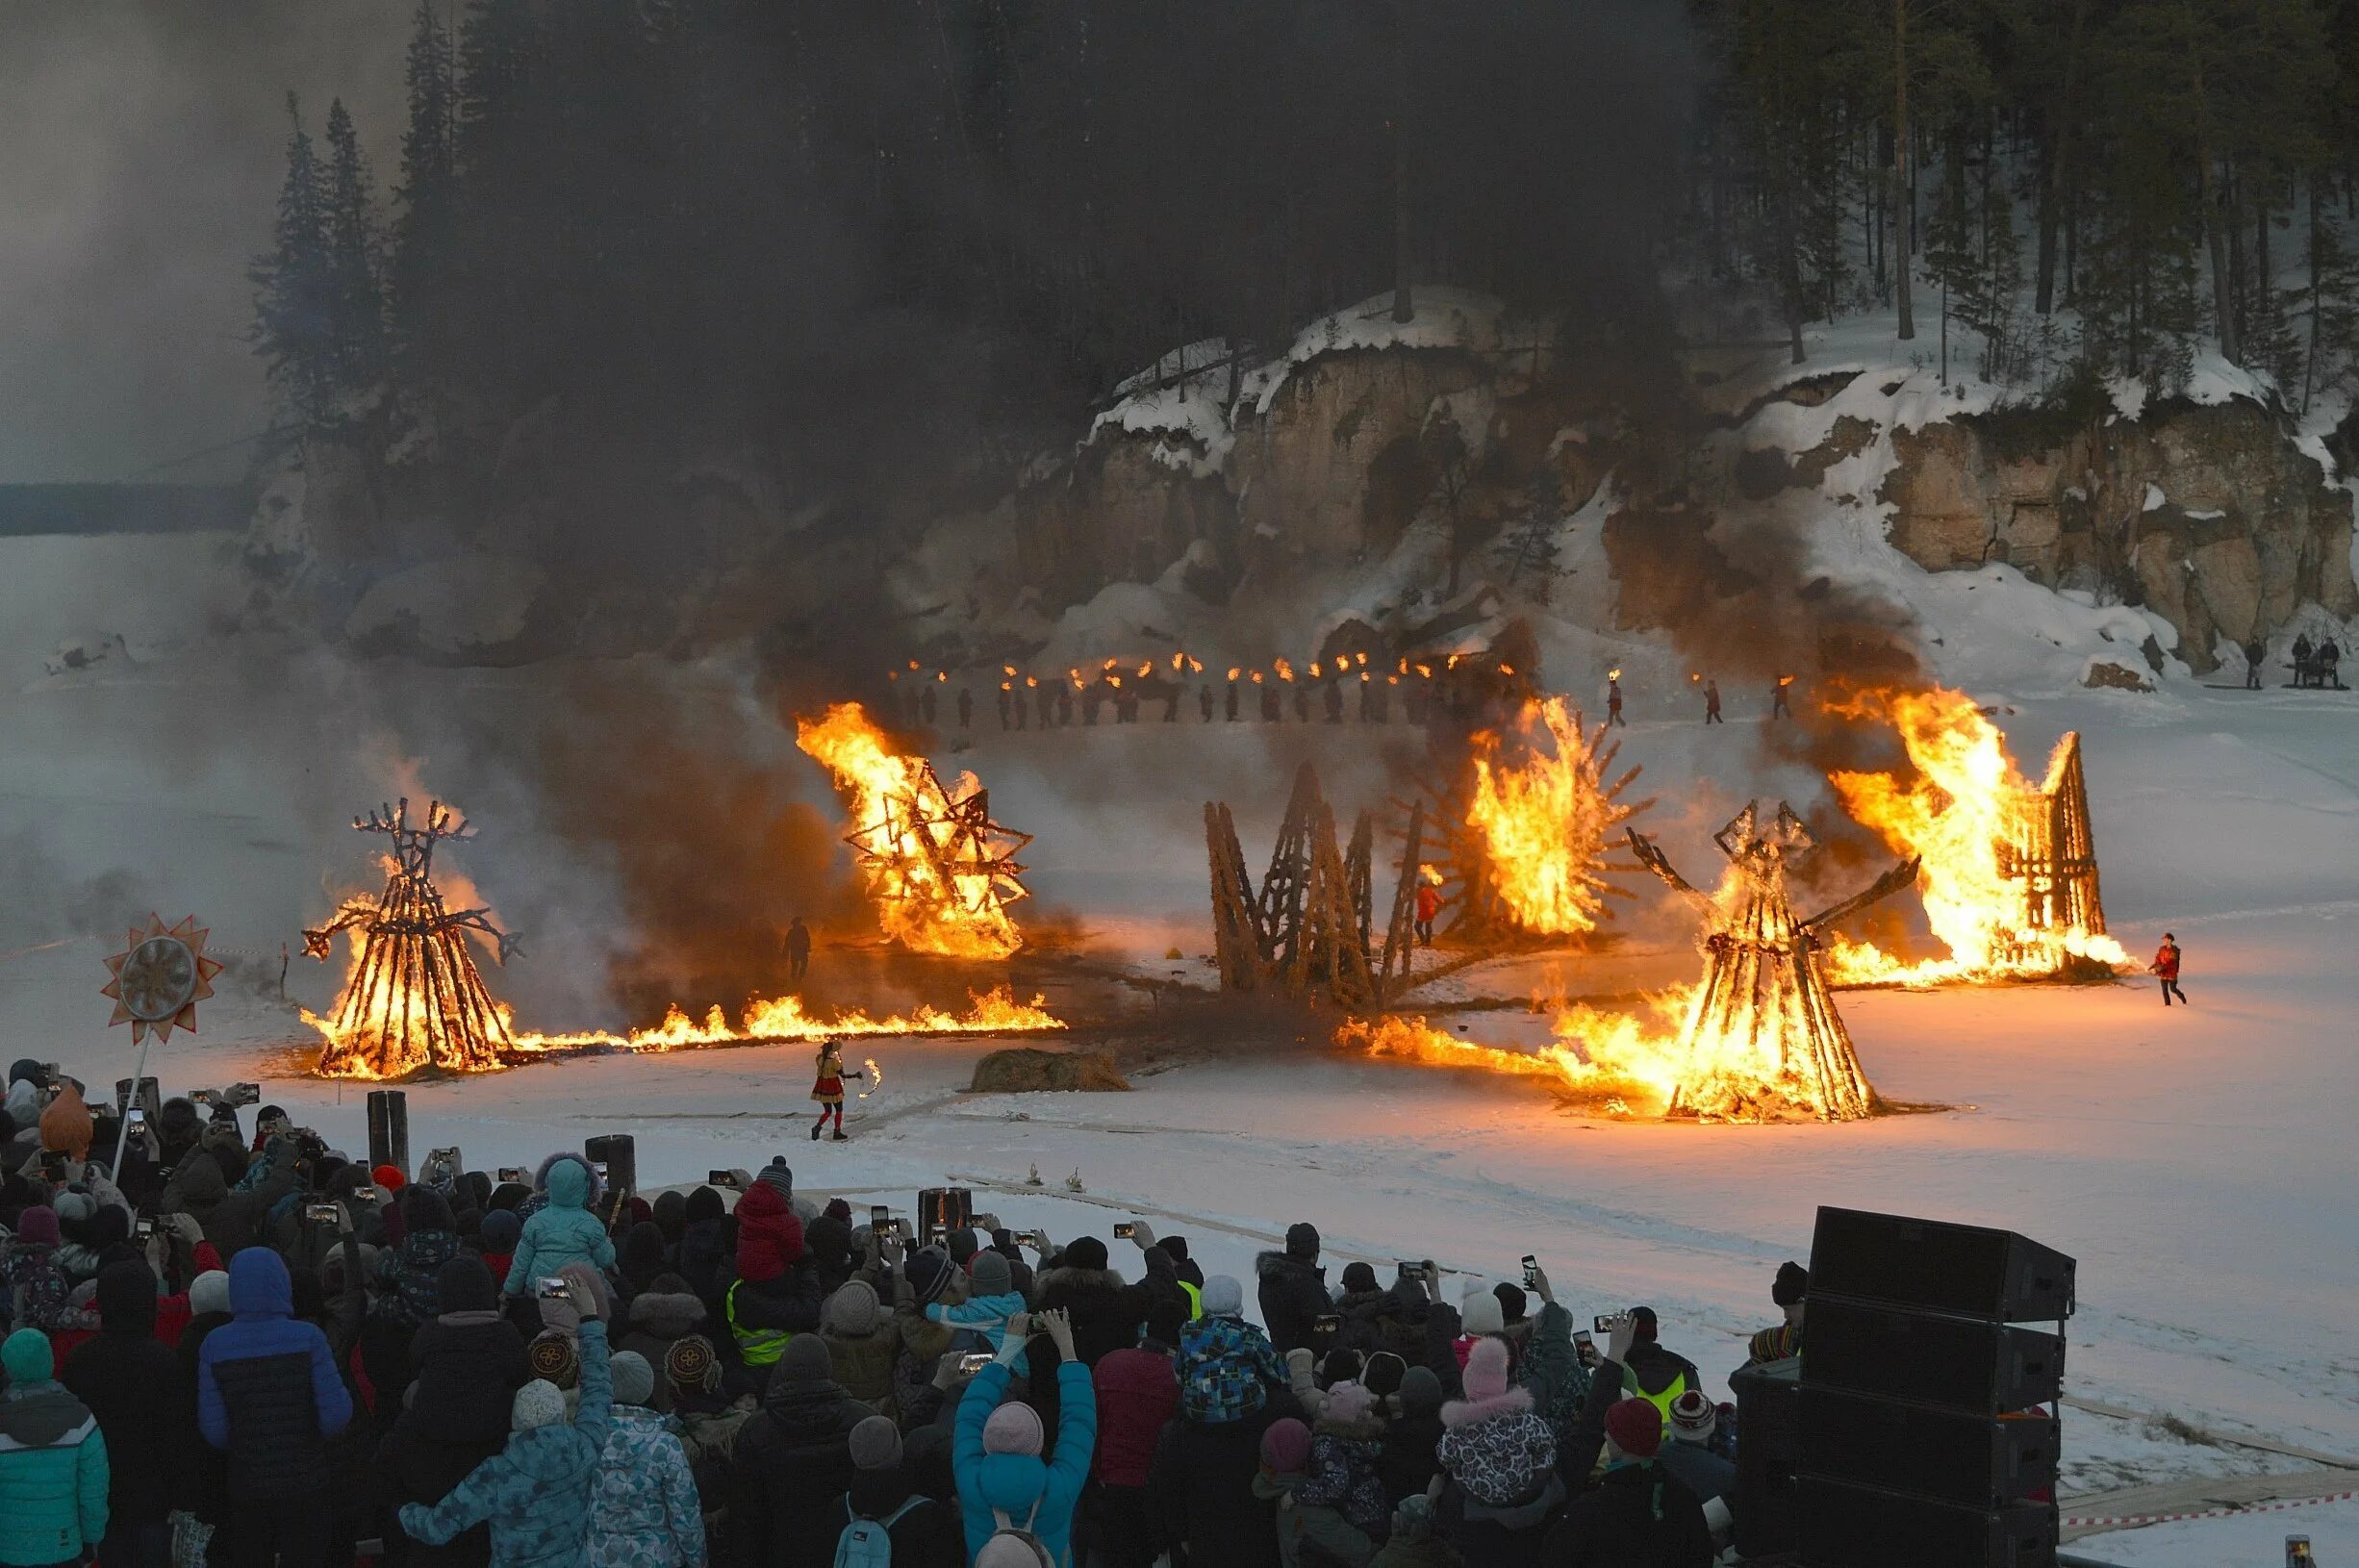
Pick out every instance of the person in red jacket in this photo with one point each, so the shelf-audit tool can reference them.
(1429, 906)
(2166, 965)
(1137, 1393)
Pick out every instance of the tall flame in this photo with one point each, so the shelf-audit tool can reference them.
(1544, 821)
(1972, 818)
(941, 873)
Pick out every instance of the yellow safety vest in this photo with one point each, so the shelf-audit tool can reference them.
(1661, 1401)
(1196, 1301)
(755, 1347)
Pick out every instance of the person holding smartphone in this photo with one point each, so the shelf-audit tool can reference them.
(997, 1446)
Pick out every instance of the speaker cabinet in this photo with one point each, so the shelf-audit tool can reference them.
(389, 1129)
(1933, 1266)
(1959, 1363)
(618, 1151)
(1768, 1445)
(1972, 1460)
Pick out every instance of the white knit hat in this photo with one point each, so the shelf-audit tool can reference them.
(1479, 1311)
(540, 1402)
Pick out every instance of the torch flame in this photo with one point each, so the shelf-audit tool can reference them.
(1969, 813)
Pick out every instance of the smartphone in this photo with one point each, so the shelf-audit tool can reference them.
(553, 1289)
(1413, 1270)
(1532, 1271)
(1603, 1323)
(145, 1228)
(719, 1178)
(320, 1213)
(599, 1166)
(880, 1218)
(135, 1116)
(1327, 1325)
(973, 1362)
(514, 1172)
(1585, 1347)
(1027, 1238)
(1125, 1230)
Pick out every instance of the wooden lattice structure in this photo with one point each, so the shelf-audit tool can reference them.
(1308, 930)
(414, 998)
(2052, 852)
(1763, 1040)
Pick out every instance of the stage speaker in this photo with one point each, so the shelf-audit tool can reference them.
(618, 1151)
(1845, 1525)
(389, 1129)
(1768, 1444)
(1963, 1269)
(1959, 1363)
(1973, 1460)
(942, 1210)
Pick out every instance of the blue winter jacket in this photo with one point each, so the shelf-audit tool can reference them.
(267, 1390)
(985, 1315)
(53, 1461)
(645, 1512)
(564, 1232)
(1020, 1486)
(539, 1491)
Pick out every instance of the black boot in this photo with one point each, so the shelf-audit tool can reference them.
(817, 1128)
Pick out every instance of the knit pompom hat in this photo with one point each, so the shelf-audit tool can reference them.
(209, 1292)
(1635, 1426)
(540, 1402)
(1479, 1312)
(989, 1275)
(1487, 1370)
(1012, 1428)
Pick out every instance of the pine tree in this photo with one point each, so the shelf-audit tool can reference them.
(1530, 548)
(1949, 249)
(425, 198)
(355, 259)
(294, 301)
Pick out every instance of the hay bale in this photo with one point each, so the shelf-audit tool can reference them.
(1028, 1069)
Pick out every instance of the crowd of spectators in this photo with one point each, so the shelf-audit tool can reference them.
(242, 1345)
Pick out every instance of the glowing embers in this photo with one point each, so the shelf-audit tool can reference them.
(2010, 867)
(941, 871)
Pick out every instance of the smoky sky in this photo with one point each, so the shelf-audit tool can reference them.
(141, 144)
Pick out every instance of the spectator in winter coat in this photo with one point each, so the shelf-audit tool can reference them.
(1407, 1460)
(269, 1396)
(924, 1530)
(1346, 1443)
(641, 1257)
(862, 1343)
(36, 1290)
(1285, 1463)
(1137, 1394)
(645, 1512)
(1361, 1302)
(1549, 1364)
(991, 1301)
(996, 1448)
(929, 1278)
(708, 1421)
(1418, 1329)
(1638, 1513)
(776, 1295)
(497, 1234)
(1226, 1369)
(1689, 1455)
(469, 1362)
(134, 1385)
(1413, 1543)
(565, 1232)
(1653, 1374)
(793, 1462)
(537, 1492)
(1200, 1486)
(53, 1462)
(1500, 1459)
(705, 1244)
(659, 1317)
(1293, 1288)
(1791, 1290)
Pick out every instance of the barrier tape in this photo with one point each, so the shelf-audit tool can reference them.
(2208, 1513)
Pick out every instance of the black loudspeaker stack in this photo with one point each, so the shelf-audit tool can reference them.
(1916, 1432)
(389, 1129)
(618, 1152)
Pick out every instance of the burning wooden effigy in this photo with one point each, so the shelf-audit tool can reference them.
(414, 999)
(2011, 871)
(1763, 1039)
(1309, 931)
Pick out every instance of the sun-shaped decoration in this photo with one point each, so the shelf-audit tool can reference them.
(160, 978)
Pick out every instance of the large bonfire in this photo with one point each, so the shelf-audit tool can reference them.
(2010, 879)
(1758, 1040)
(941, 871)
(413, 1001)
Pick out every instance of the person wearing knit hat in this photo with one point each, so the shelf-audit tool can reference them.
(1286, 1446)
(1708, 1471)
(1227, 1367)
(53, 1461)
(793, 1459)
(779, 1175)
(884, 1487)
(633, 1378)
(497, 1235)
(929, 1273)
(863, 1342)
(38, 1225)
(1224, 1297)
(644, 1511)
(1382, 1374)
(997, 1449)
(991, 1301)
(692, 1365)
(1514, 1305)
(1496, 1450)
(875, 1444)
(1406, 1460)
(1310, 1527)
(1639, 1511)
(1790, 1290)
(1479, 1314)
(962, 1243)
(554, 1358)
(389, 1177)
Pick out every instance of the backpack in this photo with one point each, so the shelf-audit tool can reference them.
(868, 1543)
(1006, 1530)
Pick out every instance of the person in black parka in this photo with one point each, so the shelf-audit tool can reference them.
(468, 1361)
(146, 1407)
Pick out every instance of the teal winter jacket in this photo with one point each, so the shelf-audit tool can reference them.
(539, 1491)
(1021, 1485)
(564, 1232)
(53, 1461)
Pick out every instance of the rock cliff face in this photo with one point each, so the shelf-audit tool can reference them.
(2208, 515)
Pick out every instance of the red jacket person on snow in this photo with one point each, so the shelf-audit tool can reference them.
(2166, 965)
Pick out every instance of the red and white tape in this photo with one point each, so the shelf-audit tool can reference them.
(2208, 1513)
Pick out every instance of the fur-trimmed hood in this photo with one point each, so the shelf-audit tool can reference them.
(1069, 1278)
(1456, 1413)
(664, 1314)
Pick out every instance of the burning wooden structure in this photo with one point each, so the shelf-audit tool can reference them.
(2052, 854)
(414, 999)
(1525, 836)
(1763, 1040)
(942, 872)
(1310, 929)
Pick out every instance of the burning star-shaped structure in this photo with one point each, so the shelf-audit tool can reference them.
(414, 998)
(1763, 1040)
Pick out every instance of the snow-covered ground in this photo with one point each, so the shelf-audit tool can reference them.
(2197, 1162)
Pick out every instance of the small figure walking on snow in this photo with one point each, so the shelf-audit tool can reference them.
(1712, 703)
(1777, 698)
(829, 1090)
(1614, 699)
(2167, 964)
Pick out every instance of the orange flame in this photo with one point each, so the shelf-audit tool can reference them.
(1544, 823)
(1285, 670)
(1966, 810)
(938, 886)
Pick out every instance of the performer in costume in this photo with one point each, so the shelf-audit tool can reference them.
(828, 1089)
